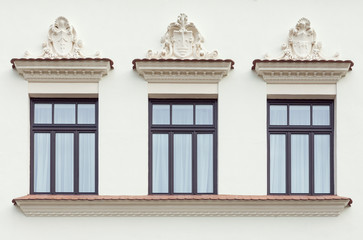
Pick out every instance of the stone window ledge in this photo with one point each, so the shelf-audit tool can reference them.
(182, 205)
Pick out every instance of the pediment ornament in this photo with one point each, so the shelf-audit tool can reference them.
(62, 41)
(182, 40)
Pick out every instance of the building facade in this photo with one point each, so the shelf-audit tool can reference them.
(181, 141)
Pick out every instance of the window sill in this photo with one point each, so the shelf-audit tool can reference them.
(182, 205)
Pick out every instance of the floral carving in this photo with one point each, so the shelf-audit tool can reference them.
(182, 40)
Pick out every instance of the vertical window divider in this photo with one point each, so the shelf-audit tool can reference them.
(52, 162)
(194, 163)
(311, 162)
(288, 163)
(76, 160)
(171, 163)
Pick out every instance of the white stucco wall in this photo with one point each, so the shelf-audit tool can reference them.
(125, 30)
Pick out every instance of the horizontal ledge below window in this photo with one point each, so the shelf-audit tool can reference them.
(301, 71)
(182, 70)
(62, 70)
(182, 205)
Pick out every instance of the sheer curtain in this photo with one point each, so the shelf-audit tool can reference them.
(86, 114)
(182, 114)
(321, 115)
(205, 163)
(299, 163)
(204, 114)
(160, 163)
(322, 163)
(182, 163)
(277, 163)
(278, 115)
(299, 115)
(87, 162)
(161, 114)
(41, 162)
(64, 113)
(42, 113)
(64, 155)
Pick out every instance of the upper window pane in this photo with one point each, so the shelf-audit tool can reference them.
(204, 114)
(42, 113)
(161, 114)
(321, 115)
(183, 114)
(299, 115)
(86, 114)
(65, 113)
(278, 115)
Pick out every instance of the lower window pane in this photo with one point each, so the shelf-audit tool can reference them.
(322, 163)
(64, 164)
(160, 163)
(182, 163)
(87, 162)
(205, 163)
(42, 162)
(299, 163)
(277, 163)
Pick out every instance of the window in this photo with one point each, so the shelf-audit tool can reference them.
(183, 147)
(64, 146)
(300, 149)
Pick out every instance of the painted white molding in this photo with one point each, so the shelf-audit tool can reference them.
(182, 40)
(183, 208)
(316, 72)
(185, 71)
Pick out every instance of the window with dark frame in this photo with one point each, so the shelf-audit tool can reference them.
(182, 146)
(300, 147)
(64, 146)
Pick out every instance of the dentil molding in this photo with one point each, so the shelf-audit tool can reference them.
(62, 60)
(302, 61)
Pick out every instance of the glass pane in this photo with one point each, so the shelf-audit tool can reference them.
(299, 115)
(41, 162)
(204, 114)
(86, 113)
(42, 113)
(278, 115)
(321, 115)
(322, 163)
(182, 163)
(160, 163)
(277, 163)
(299, 163)
(64, 113)
(183, 114)
(161, 114)
(87, 162)
(64, 155)
(205, 163)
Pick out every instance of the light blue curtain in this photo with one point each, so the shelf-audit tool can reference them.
(87, 162)
(277, 163)
(205, 163)
(64, 162)
(321, 115)
(182, 114)
(161, 114)
(41, 162)
(182, 163)
(299, 163)
(86, 114)
(204, 114)
(64, 113)
(322, 163)
(160, 163)
(299, 115)
(278, 115)
(42, 113)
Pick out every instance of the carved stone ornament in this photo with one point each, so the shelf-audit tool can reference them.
(302, 43)
(182, 40)
(62, 41)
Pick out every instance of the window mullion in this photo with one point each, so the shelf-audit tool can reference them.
(194, 164)
(52, 162)
(311, 162)
(288, 163)
(76, 161)
(171, 162)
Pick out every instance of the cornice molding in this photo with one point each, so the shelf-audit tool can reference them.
(179, 207)
(79, 70)
(294, 71)
(182, 71)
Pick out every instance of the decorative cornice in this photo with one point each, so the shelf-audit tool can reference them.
(183, 71)
(77, 70)
(181, 206)
(301, 71)
(182, 40)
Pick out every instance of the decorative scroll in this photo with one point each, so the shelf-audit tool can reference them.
(182, 40)
(62, 41)
(302, 43)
